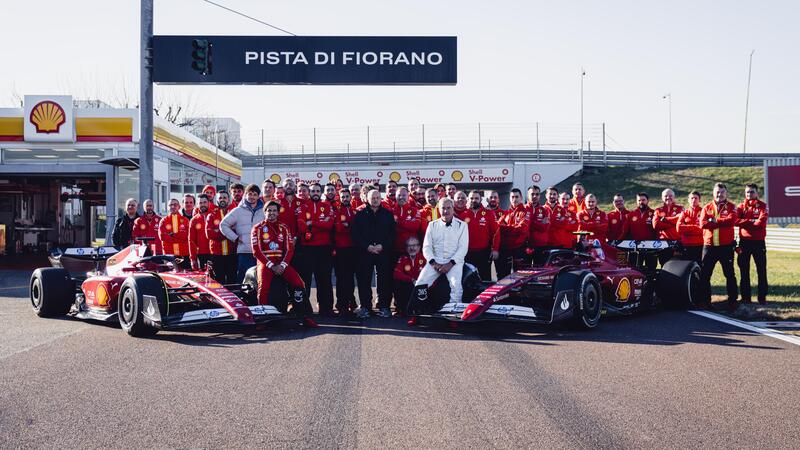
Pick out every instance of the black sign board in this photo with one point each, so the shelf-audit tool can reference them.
(372, 60)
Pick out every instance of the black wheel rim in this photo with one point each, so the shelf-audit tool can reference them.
(36, 294)
(126, 307)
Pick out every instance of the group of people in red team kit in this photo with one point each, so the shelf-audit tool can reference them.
(300, 232)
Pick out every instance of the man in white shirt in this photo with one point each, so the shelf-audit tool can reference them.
(445, 246)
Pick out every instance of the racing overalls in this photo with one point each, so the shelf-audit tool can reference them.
(272, 245)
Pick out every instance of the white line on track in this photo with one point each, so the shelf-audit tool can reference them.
(738, 323)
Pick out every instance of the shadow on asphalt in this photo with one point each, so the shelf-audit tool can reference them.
(667, 328)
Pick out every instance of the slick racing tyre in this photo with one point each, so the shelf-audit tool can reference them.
(131, 303)
(52, 292)
(589, 300)
(678, 284)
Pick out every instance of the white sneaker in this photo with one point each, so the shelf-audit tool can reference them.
(384, 312)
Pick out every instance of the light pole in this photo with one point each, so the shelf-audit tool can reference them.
(583, 74)
(747, 102)
(669, 99)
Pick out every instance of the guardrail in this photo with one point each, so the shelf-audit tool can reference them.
(589, 158)
(783, 239)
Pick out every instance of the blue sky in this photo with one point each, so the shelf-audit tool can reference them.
(519, 61)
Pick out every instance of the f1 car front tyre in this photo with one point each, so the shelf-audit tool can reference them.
(131, 303)
(52, 292)
(678, 284)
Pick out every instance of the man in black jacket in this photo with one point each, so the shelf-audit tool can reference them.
(123, 227)
(373, 235)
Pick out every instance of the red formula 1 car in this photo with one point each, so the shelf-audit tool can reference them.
(144, 292)
(575, 286)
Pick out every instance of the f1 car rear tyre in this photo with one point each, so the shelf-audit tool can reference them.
(251, 280)
(131, 303)
(678, 284)
(589, 298)
(52, 292)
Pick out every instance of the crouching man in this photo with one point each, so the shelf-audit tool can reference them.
(444, 248)
(273, 249)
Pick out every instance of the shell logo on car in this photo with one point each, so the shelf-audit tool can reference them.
(101, 295)
(623, 290)
(47, 117)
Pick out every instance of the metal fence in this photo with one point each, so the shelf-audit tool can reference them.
(783, 239)
(590, 158)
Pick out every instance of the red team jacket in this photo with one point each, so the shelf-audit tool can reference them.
(753, 215)
(407, 269)
(666, 228)
(719, 232)
(484, 233)
(341, 225)
(198, 241)
(321, 216)
(148, 227)
(429, 214)
(176, 243)
(688, 227)
(596, 222)
(218, 244)
(286, 215)
(272, 243)
(616, 224)
(537, 234)
(639, 225)
(498, 213)
(515, 227)
(409, 222)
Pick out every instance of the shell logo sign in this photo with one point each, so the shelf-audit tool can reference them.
(275, 178)
(623, 292)
(457, 175)
(47, 117)
(395, 176)
(333, 177)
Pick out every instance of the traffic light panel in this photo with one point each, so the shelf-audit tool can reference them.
(201, 56)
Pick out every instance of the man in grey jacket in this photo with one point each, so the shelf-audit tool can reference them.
(238, 224)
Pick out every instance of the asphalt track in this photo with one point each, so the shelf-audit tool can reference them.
(662, 380)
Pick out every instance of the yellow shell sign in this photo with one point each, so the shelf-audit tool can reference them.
(275, 178)
(47, 117)
(458, 175)
(395, 176)
(623, 290)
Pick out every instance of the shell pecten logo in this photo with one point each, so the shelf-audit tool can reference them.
(457, 175)
(395, 176)
(47, 117)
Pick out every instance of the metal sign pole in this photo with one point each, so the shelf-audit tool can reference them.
(146, 103)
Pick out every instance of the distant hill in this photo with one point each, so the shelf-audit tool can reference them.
(606, 182)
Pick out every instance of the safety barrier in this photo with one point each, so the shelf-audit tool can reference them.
(783, 239)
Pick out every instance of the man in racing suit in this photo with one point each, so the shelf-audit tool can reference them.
(514, 229)
(223, 250)
(273, 249)
(690, 234)
(146, 226)
(444, 248)
(593, 220)
(665, 220)
(616, 219)
(540, 225)
(199, 250)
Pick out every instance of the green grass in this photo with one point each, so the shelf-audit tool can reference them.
(783, 301)
(628, 181)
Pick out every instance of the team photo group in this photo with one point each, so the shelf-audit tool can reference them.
(404, 236)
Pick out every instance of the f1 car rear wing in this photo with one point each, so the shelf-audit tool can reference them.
(650, 245)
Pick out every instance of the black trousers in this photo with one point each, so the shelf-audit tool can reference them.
(402, 292)
(316, 262)
(225, 267)
(479, 259)
(367, 264)
(758, 250)
(724, 256)
(510, 259)
(203, 259)
(692, 253)
(344, 265)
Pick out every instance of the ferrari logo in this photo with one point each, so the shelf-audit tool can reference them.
(623, 290)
